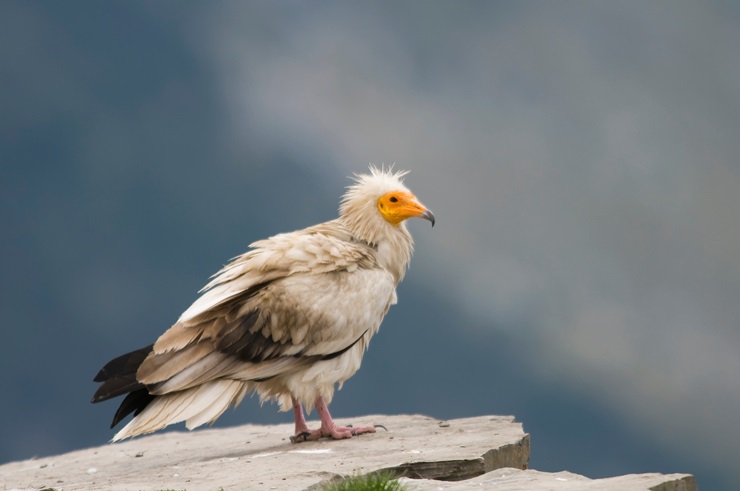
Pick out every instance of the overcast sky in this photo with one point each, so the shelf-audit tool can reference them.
(581, 159)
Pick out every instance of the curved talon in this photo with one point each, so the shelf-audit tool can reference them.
(300, 437)
(380, 426)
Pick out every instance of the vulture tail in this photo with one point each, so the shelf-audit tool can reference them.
(118, 377)
(196, 406)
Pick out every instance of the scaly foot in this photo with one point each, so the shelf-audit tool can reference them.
(336, 433)
(328, 428)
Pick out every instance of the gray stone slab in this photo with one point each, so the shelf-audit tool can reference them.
(531, 480)
(262, 457)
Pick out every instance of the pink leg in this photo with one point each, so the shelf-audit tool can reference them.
(300, 420)
(328, 428)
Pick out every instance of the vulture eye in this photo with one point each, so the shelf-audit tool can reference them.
(393, 199)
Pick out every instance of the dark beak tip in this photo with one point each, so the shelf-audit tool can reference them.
(428, 215)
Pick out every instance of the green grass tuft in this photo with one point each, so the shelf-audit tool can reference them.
(371, 482)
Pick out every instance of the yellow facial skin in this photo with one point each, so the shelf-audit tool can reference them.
(397, 206)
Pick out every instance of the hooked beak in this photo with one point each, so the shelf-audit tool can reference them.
(428, 215)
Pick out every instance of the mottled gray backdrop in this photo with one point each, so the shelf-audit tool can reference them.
(582, 159)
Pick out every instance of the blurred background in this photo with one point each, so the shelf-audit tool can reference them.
(581, 157)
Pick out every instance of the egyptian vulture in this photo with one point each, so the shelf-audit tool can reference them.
(289, 319)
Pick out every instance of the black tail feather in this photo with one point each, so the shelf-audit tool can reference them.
(118, 377)
(124, 365)
(135, 402)
(115, 387)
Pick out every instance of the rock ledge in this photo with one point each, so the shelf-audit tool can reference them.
(486, 452)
